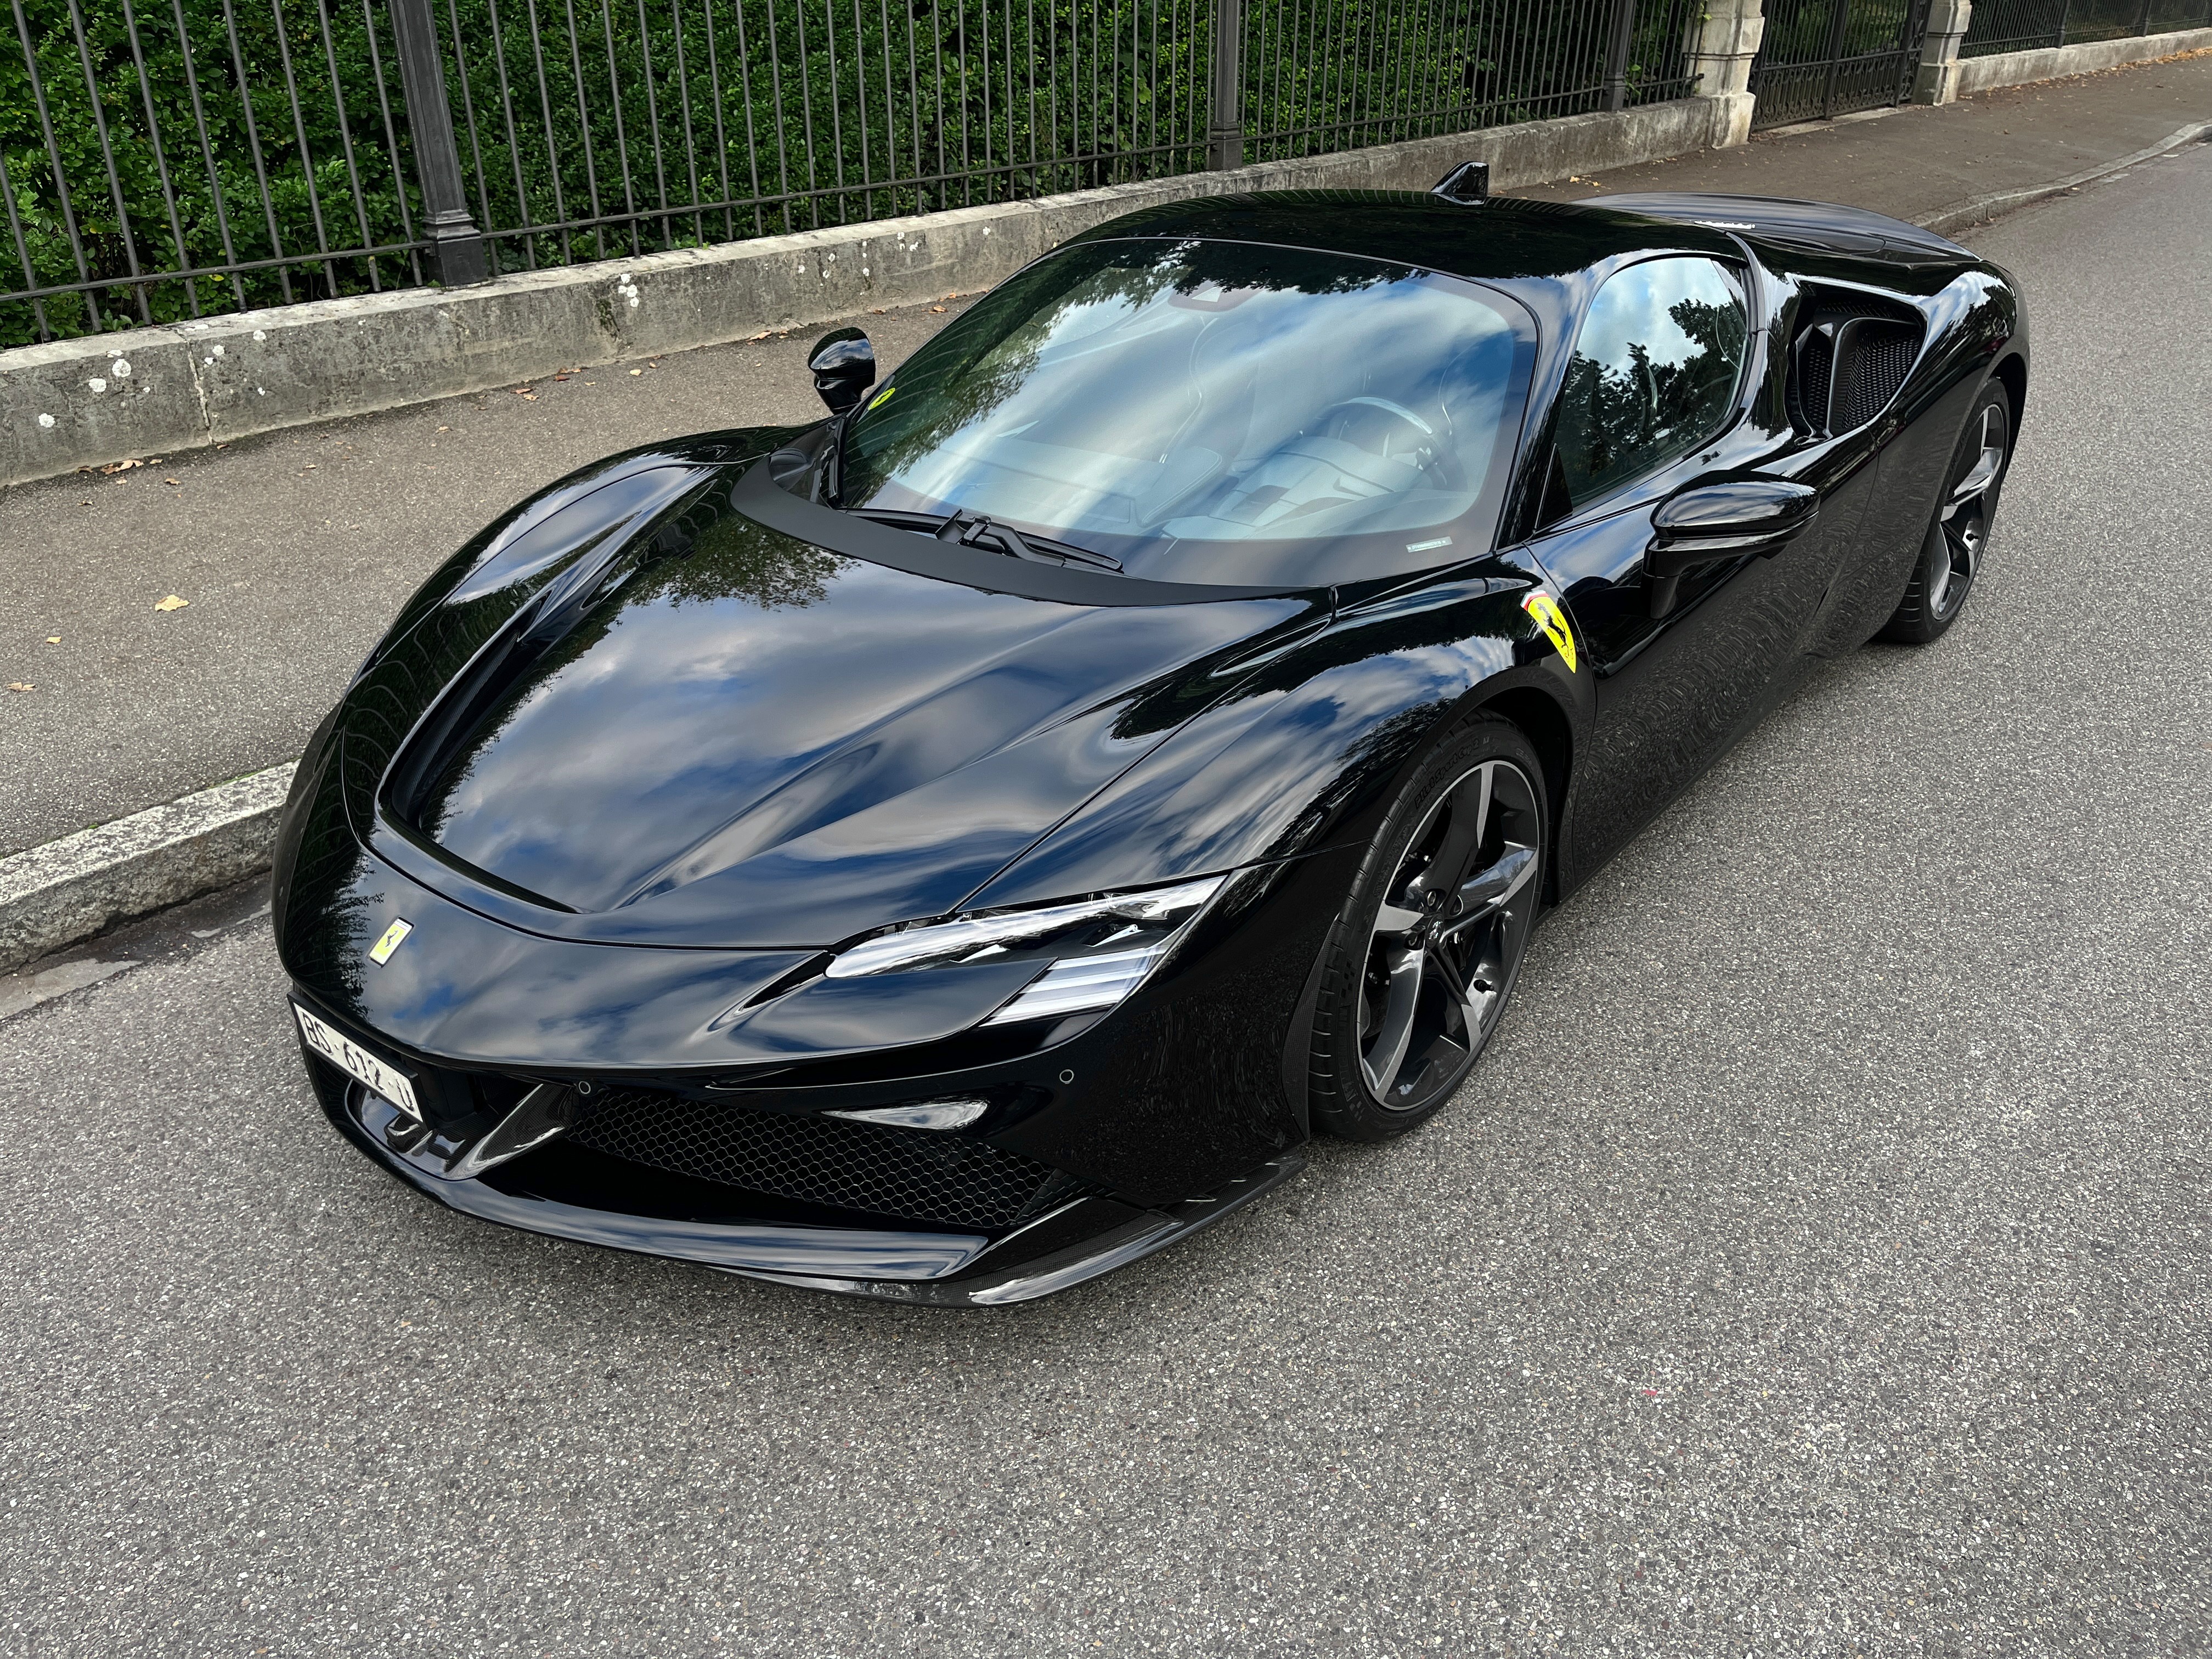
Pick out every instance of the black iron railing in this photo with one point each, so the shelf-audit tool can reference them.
(160, 159)
(2025, 25)
(1821, 58)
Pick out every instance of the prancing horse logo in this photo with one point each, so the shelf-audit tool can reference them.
(394, 937)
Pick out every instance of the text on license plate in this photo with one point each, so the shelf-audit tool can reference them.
(357, 1062)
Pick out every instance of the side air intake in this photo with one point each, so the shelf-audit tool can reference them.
(1850, 358)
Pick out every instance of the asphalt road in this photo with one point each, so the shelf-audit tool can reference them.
(1817, 1264)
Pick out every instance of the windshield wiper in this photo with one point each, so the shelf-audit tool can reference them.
(980, 530)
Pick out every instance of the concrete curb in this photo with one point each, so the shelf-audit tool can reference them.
(155, 391)
(2013, 68)
(1980, 208)
(70, 889)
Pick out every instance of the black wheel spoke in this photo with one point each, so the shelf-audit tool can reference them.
(1448, 935)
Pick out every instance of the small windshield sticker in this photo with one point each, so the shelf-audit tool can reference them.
(1428, 547)
(1549, 617)
(883, 396)
(394, 937)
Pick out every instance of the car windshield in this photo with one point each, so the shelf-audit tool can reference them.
(1211, 413)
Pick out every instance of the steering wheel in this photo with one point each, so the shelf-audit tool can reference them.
(1425, 452)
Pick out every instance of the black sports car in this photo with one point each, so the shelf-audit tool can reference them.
(954, 849)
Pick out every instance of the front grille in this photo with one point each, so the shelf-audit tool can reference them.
(913, 1174)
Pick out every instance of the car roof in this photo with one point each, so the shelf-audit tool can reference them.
(1827, 225)
(1504, 238)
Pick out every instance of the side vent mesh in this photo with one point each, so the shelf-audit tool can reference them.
(1871, 374)
(1851, 354)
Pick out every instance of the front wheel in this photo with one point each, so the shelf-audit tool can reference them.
(1951, 555)
(1426, 951)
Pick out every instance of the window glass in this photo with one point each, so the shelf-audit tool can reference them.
(1654, 373)
(1211, 413)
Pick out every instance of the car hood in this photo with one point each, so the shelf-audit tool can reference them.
(721, 734)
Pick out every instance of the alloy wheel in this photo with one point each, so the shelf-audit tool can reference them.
(1447, 939)
(1964, 521)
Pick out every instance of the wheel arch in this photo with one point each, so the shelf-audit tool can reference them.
(1545, 723)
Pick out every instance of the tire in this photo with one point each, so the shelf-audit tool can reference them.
(1951, 554)
(1423, 957)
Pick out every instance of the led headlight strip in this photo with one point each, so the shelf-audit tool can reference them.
(1097, 950)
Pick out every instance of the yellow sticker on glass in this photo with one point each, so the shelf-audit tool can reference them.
(883, 396)
(1549, 617)
(394, 937)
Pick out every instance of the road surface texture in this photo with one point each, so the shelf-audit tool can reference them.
(295, 549)
(1817, 1264)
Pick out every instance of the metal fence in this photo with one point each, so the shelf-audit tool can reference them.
(1820, 58)
(2025, 25)
(164, 159)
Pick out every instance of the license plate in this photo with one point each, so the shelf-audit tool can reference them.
(357, 1062)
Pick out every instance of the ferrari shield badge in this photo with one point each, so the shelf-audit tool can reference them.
(394, 937)
(1549, 617)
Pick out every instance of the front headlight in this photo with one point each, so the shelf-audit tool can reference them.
(1095, 953)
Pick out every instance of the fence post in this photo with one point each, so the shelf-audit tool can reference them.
(1722, 44)
(1224, 132)
(457, 254)
(1616, 54)
(1937, 80)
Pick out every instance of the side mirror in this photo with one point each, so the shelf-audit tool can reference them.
(844, 366)
(1708, 524)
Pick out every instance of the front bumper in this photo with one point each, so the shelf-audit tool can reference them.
(1067, 1233)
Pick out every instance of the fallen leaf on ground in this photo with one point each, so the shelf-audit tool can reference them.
(937, 307)
(173, 483)
(121, 466)
(637, 371)
(172, 602)
(18, 685)
(522, 392)
(763, 335)
(54, 639)
(307, 466)
(445, 428)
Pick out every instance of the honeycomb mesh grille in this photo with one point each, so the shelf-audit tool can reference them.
(1877, 368)
(1809, 387)
(1828, 397)
(913, 1174)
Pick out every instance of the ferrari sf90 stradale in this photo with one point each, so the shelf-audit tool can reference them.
(952, 850)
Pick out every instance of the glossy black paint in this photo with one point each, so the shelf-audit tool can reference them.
(647, 749)
(843, 363)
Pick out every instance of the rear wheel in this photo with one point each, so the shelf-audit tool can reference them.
(1427, 950)
(1951, 556)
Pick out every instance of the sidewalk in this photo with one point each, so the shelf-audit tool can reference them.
(294, 549)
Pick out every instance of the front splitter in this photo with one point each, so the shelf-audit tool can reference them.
(935, 1269)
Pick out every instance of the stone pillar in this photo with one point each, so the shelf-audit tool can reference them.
(1936, 81)
(1721, 46)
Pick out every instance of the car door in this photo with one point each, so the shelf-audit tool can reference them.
(1657, 398)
